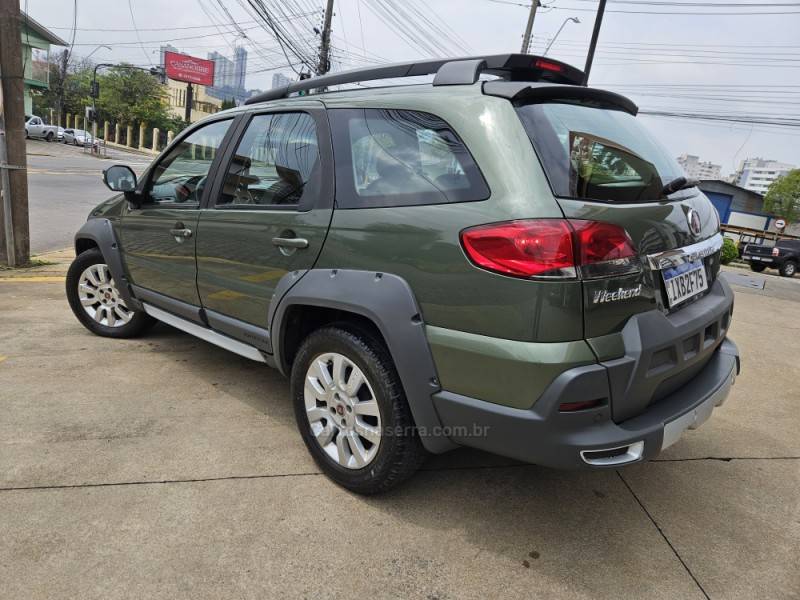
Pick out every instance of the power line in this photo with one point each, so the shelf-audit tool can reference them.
(138, 37)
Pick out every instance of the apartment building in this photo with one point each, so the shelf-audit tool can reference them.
(697, 169)
(756, 174)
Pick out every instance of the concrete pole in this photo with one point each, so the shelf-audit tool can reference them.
(69, 121)
(526, 39)
(105, 131)
(170, 137)
(15, 248)
(325, 41)
(116, 133)
(129, 136)
(156, 132)
(142, 132)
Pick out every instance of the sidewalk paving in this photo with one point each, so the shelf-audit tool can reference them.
(167, 467)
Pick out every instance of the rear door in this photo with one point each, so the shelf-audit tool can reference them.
(158, 237)
(268, 215)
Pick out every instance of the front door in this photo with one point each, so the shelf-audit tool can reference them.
(158, 238)
(269, 215)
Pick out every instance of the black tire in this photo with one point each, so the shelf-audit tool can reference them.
(74, 142)
(757, 267)
(49, 137)
(136, 326)
(400, 453)
(788, 268)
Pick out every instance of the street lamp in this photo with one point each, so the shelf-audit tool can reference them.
(573, 19)
(98, 48)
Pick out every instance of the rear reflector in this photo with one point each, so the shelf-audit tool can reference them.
(551, 248)
(573, 406)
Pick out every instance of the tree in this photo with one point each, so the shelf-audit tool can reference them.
(132, 96)
(69, 87)
(228, 103)
(783, 197)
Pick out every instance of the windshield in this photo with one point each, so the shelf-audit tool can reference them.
(597, 154)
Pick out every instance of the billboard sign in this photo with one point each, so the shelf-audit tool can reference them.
(182, 67)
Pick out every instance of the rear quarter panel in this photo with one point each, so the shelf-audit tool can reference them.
(421, 243)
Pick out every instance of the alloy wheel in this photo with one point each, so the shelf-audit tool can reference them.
(100, 298)
(342, 410)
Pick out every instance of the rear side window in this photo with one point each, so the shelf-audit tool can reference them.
(400, 158)
(597, 154)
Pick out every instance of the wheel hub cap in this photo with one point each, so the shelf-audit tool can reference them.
(100, 298)
(342, 410)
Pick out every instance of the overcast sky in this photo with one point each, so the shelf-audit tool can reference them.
(709, 63)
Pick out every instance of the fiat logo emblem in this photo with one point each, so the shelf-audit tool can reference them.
(694, 221)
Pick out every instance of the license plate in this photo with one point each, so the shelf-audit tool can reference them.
(684, 281)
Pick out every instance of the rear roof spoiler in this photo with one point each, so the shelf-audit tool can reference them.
(449, 71)
(520, 91)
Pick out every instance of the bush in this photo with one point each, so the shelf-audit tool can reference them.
(729, 251)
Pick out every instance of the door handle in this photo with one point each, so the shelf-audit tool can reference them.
(181, 233)
(290, 242)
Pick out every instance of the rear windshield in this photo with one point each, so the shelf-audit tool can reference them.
(597, 154)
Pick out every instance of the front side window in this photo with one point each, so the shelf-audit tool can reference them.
(387, 157)
(276, 164)
(181, 175)
(597, 154)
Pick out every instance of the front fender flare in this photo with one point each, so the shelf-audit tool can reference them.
(101, 232)
(387, 301)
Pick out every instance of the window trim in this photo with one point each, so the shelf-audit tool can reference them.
(146, 180)
(324, 196)
(344, 197)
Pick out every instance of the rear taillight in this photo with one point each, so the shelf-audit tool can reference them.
(535, 248)
(604, 249)
(551, 248)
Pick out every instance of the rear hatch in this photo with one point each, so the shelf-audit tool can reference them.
(604, 167)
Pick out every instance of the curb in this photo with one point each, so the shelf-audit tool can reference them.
(55, 269)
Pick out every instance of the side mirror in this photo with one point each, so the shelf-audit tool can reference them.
(120, 178)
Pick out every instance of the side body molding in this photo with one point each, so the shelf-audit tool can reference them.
(101, 232)
(387, 300)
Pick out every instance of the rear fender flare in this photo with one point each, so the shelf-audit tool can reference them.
(387, 301)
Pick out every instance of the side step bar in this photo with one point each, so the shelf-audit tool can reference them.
(204, 333)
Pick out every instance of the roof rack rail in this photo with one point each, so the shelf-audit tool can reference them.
(449, 71)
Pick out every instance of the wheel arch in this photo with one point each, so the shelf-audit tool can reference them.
(381, 303)
(99, 233)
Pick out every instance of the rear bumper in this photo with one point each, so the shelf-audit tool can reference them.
(764, 260)
(589, 438)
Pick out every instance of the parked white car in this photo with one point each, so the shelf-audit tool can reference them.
(78, 137)
(36, 128)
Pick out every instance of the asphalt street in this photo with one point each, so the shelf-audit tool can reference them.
(165, 467)
(64, 184)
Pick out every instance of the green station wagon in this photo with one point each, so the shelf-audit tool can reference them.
(508, 262)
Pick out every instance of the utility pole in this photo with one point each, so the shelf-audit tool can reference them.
(15, 249)
(598, 21)
(526, 40)
(187, 115)
(325, 41)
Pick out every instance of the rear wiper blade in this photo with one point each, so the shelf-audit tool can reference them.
(677, 184)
